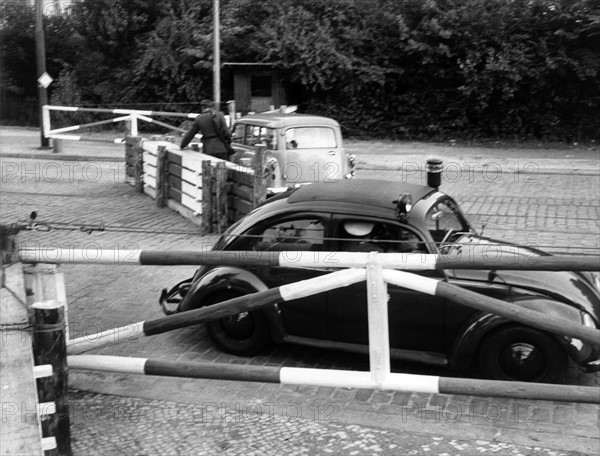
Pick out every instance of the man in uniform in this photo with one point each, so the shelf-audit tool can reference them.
(216, 137)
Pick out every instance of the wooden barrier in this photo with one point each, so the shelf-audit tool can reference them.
(134, 162)
(428, 384)
(213, 193)
(221, 204)
(173, 178)
(260, 188)
(162, 177)
(207, 197)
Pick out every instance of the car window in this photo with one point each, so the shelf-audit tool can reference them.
(367, 236)
(310, 138)
(268, 137)
(237, 136)
(251, 135)
(290, 235)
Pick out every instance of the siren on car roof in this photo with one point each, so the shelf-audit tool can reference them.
(434, 172)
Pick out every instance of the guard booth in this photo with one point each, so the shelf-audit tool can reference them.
(257, 87)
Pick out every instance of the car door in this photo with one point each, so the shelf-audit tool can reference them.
(304, 317)
(416, 320)
(313, 154)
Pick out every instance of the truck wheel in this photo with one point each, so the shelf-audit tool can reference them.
(245, 333)
(522, 354)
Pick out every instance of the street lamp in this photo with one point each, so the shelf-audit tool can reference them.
(216, 57)
(40, 53)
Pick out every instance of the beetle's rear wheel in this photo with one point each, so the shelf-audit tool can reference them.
(522, 354)
(245, 333)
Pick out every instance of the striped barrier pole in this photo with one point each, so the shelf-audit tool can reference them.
(91, 124)
(325, 283)
(484, 303)
(329, 282)
(142, 112)
(335, 378)
(303, 259)
(214, 312)
(86, 138)
(162, 124)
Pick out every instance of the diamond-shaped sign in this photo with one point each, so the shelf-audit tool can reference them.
(45, 80)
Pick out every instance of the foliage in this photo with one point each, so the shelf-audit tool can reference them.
(428, 69)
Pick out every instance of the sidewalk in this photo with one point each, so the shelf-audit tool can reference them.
(126, 414)
(18, 142)
(104, 424)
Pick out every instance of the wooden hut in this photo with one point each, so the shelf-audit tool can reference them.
(257, 87)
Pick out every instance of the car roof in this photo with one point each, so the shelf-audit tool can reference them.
(368, 192)
(279, 120)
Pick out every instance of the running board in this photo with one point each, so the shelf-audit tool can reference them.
(430, 358)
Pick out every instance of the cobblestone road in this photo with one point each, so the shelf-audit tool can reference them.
(559, 212)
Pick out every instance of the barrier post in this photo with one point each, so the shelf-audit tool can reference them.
(8, 245)
(259, 187)
(133, 126)
(139, 165)
(57, 146)
(377, 305)
(162, 181)
(207, 191)
(134, 162)
(49, 347)
(231, 111)
(221, 209)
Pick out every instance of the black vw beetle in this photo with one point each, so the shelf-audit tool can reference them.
(367, 215)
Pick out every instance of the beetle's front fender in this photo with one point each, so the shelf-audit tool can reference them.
(467, 341)
(232, 279)
(220, 279)
(466, 344)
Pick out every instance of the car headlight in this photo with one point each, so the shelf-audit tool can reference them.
(588, 320)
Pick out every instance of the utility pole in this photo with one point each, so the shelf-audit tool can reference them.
(216, 57)
(40, 53)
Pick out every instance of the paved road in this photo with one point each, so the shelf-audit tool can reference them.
(148, 415)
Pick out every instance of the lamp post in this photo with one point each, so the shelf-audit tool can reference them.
(216, 57)
(40, 53)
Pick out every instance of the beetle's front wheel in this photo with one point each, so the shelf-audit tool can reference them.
(523, 354)
(245, 333)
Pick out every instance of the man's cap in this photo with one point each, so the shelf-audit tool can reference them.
(358, 228)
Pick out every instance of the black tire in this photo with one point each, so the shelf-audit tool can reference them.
(244, 334)
(524, 354)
